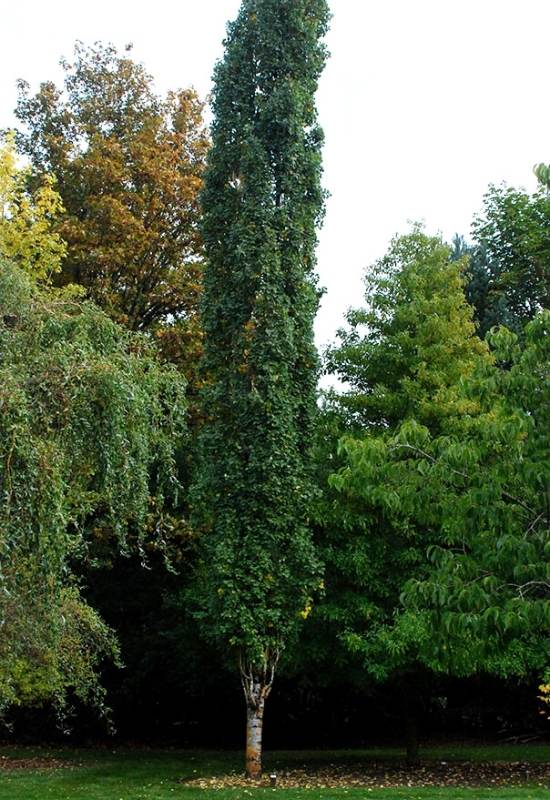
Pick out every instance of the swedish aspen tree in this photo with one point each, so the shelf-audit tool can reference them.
(262, 202)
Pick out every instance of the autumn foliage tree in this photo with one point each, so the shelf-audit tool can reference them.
(262, 202)
(129, 170)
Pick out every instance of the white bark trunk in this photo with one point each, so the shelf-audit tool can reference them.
(257, 683)
(254, 729)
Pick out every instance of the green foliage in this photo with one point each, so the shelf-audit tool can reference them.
(404, 354)
(489, 302)
(262, 201)
(512, 257)
(88, 426)
(404, 358)
(542, 172)
(474, 498)
(486, 597)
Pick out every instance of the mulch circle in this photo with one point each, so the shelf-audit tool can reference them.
(386, 775)
(36, 762)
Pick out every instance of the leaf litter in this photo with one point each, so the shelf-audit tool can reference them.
(380, 774)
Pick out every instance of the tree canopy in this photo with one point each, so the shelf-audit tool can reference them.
(405, 352)
(446, 502)
(508, 273)
(434, 526)
(402, 358)
(485, 597)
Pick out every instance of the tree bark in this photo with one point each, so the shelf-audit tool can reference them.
(254, 730)
(257, 682)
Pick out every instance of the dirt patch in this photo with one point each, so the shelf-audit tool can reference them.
(385, 775)
(36, 762)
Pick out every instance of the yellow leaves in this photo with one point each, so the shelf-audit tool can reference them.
(32, 678)
(544, 697)
(308, 608)
(8, 175)
(26, 219)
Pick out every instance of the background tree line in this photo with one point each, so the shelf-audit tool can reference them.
(169, 483)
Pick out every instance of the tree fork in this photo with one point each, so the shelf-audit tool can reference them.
(257, 684)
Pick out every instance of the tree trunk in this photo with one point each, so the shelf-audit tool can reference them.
(254, 727)
(257, 682)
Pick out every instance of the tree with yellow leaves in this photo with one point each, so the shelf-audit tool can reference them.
(27, 237)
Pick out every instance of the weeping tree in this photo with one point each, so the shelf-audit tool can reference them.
(262, 203)
(89, 422)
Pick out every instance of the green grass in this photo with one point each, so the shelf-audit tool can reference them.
(122, 774)
(532, 753)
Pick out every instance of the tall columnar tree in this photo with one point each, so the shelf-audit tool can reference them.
(262, 203)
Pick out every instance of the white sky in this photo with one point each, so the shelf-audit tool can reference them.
(423, 102)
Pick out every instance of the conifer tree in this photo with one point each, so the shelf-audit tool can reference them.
(262, 203)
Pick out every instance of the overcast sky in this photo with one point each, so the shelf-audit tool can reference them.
(423, 102)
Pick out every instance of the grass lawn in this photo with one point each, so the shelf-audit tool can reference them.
(123, 774)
